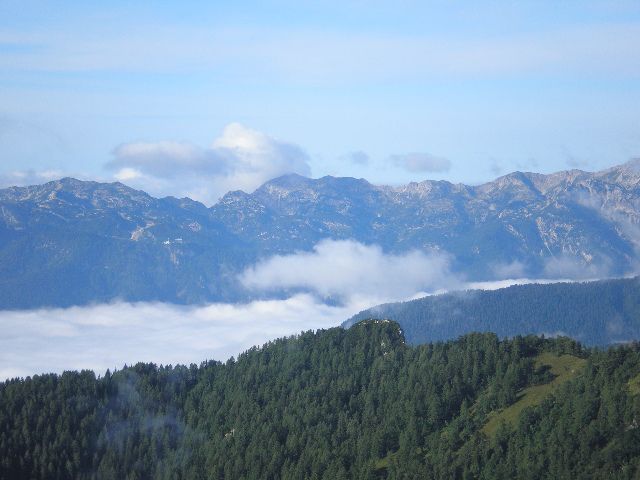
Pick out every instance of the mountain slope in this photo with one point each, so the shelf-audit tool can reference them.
(72, 242)
(336, 404)
(595, 313)
(530, 218)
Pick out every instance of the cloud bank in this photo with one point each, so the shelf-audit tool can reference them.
(346, 269)
(110, 335)
(354, 275)
(240, 159)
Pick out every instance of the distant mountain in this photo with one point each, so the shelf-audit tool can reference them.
(523, 218)
(595, 313)
(72, 242)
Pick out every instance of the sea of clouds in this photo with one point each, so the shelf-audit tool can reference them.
(326, 286)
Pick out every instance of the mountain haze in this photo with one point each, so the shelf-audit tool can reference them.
(74, 242)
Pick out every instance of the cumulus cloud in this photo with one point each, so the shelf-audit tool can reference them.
(421, 162)
(110, 335)
(240, 158)
(346, 269)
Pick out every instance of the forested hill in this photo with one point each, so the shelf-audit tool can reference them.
(337, 404)
(595, 313)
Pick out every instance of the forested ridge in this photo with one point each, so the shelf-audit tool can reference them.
(337, 404)
(595, 313)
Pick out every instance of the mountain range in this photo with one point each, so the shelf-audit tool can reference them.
(72, 242)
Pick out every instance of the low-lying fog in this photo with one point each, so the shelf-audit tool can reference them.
(97, 337)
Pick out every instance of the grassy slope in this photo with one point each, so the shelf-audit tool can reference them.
(634, 385)
(564, 367)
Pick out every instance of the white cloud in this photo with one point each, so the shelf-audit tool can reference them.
(346, 269)
(239, 159)
(421, 162)
(110, 335)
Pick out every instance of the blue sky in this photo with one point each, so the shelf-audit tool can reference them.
(388, 91)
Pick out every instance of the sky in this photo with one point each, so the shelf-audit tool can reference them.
(197, 98)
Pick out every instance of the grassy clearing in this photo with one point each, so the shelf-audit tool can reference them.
(564, 367)
(634, 385)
